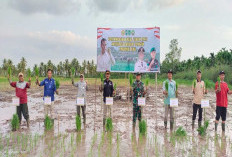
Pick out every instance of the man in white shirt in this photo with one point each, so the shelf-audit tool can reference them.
(140, 65)
(105, 60)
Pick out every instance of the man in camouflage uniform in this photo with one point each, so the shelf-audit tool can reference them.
(138, 91)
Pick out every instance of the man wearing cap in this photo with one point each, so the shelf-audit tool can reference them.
(108, 91)
(82, 88)
(221, 90)
(140, 65)
(105, 60)
(198, 91)
(49, 91)
(171, 93)
(21, 92)
(138, 91)
(153, 65)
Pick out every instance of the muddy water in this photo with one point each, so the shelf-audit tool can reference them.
(123, 141)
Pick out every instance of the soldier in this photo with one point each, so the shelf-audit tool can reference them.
(138, 91)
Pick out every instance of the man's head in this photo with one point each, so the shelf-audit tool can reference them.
(222, 75)
(170, 74)
(107, 74)
(21, 78)
(198, 74)
(81, 77)
(153, 53)
(141, 52)
(138, 76)
(103, 45)
(49, 73)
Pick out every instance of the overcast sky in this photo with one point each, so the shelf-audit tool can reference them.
(41, 30)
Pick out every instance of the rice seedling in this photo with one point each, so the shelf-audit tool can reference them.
(28, 72)
(177, 85)
(78, 122)
(142, 127)
(166, 86)
(9, 71)
(57, 84)
(73, 71)
(15, 122)
(194, 83)
(202, 130)
(102, 78)
(37, 72)
(180, 132)
(219, 82)
(109, 124)
(131, 79)
(147, 82)
(48, 123)
(207, 84)
(115, 86)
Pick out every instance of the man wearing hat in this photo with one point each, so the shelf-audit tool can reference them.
(138, 91)
(108, 91)
(198, 91)
(82, 88)
(171, 93)
(221, 90)
(140, 65)
(153, 65)
(21, 92)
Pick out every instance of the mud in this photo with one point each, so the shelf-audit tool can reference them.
(63, 140)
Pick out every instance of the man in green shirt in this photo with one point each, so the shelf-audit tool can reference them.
(169, 90)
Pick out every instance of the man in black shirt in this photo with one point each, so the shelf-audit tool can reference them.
(108, 91)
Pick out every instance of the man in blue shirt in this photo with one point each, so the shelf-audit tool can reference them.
(49, 91)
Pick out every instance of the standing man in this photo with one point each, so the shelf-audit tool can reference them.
(171, 93)
(153, 65)
(21, 92)
(49, 91)
(221, 90)
(108, 91)
(198, 91)
(138, 91)
(82, 88)
(105, 60)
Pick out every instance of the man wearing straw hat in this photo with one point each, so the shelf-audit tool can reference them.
(21, 92)
(82, 88)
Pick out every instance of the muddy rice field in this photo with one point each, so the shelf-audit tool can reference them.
(63, 140)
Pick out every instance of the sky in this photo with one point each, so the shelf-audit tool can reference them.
(40, 30)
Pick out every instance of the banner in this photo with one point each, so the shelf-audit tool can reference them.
(128, 49)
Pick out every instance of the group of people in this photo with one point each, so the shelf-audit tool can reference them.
(138, 90)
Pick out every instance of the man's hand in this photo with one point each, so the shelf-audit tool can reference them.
(109, 51)
(206, 91)
(194, 91)
(29, 80)
(165, 92)
(86, 82)
(57, 92)
(218, 90)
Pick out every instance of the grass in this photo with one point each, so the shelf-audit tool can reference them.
(194, 83)
(131, 79)
(202, 130)
(109, 124)
(48, 123)
(15, 122)
(78, 122)
(142, 127)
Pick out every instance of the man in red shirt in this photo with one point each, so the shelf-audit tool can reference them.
(221, 89)
(21, 93)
